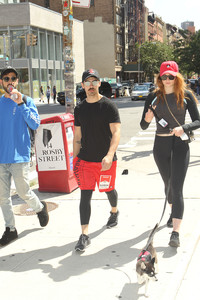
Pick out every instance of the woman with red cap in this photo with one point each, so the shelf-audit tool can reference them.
(168, 104)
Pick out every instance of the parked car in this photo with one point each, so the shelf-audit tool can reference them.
(150, 86)
(117, 89)
(105, 90)
(193, 84)
(139, 92)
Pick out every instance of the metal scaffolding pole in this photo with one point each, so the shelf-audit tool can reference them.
(69, 63)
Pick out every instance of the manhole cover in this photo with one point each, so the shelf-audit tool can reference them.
(25, 210)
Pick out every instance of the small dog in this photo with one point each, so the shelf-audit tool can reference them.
(145, 267)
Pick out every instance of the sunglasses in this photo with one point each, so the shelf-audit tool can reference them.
(164, 77)
(94, 83)
(6, 79)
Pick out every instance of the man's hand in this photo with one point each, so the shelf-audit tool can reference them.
(19, 96)
(106, 163)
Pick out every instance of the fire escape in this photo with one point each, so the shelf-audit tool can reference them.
(135, 26)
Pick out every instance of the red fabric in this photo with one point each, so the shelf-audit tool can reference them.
(88, 174)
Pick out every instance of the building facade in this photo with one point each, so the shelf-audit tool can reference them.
(112, 28)
(41, 64)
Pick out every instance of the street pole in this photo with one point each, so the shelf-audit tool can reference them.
(139, 64)
(4, 50)
(69, 64)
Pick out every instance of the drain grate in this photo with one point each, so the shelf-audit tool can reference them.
(25, 210)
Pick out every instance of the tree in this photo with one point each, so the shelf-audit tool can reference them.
(187, 54)
(152, 54)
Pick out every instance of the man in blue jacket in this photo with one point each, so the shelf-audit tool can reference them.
(15, 147)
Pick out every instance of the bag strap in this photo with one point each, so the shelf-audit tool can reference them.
(171, 111)
(24, 98)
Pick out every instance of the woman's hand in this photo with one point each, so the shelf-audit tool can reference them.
(149, 115)
(177, 131)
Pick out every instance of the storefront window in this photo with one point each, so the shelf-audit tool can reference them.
(35, 80)
(44, 79)
(4, 45)
(58, 78)
(24, 83)
(18, 44)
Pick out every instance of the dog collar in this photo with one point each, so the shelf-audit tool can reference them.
(144, 256)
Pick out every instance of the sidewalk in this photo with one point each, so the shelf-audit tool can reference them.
(42, 263)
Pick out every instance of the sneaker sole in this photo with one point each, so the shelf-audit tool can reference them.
(170, 225)
(82, 250)
(111, 226)
(174, 244)
(1, 246)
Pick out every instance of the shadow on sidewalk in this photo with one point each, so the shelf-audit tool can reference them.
(73, 264)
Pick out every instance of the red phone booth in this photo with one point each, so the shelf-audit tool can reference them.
(54, 153)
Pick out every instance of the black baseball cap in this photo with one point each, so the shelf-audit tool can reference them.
(8, 70)
(90, 73)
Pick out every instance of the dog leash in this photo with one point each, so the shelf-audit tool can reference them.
(154, 230)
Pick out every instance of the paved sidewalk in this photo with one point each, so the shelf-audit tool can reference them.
(42, 263)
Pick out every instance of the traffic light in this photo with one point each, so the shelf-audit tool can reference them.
(29, 39)
(34, 40)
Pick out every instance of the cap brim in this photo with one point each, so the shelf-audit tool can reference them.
(90, 76)
(169, 72)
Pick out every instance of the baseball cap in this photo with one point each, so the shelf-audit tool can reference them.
(90, 73)
(169, 67)
(8, 70)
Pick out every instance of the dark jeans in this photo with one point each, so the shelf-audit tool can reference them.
(171, 155)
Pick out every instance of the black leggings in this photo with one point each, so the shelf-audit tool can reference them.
(85, 204)
(171, 155)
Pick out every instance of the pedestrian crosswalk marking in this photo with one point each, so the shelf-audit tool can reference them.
(149, 134)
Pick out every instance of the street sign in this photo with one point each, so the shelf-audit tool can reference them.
(81, 3)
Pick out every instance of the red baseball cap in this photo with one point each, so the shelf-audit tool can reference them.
(169, 67)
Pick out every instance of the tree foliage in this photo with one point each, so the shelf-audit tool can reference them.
(152, 54)
(187, 54)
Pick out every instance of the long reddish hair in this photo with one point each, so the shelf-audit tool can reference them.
(179, 89)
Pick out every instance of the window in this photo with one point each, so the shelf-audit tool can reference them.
(47, 3)
(35, 81)
(119, 39)
(18, 44)
(50, 47)
(9, 1)
(58, 80)
(35, 49)
(44, 79)
(4, 45)
(43, 48)
(91, 2)
(58, 51)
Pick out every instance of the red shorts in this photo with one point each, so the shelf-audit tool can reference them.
(87, 174)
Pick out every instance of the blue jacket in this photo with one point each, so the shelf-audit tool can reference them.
(14, 135)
